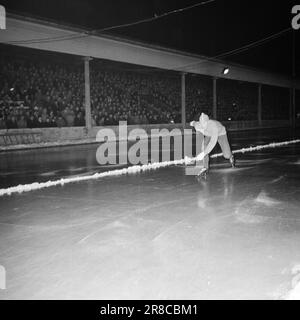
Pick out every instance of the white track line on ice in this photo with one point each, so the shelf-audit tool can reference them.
(129, 170)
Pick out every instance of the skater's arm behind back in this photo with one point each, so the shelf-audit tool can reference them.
(213, 133)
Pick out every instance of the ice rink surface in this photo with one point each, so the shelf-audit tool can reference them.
(154, 235)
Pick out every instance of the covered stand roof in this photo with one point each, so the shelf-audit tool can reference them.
(39, 34)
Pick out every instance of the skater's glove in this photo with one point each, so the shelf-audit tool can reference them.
(192, 123)
(200, 156)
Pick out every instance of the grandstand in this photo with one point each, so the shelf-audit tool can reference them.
(51, 85)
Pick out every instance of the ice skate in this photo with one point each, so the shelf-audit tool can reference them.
(203, 173)
(232, 161)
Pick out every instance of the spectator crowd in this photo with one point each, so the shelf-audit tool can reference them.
(40, 91)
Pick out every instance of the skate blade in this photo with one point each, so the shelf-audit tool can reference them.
(202, 176)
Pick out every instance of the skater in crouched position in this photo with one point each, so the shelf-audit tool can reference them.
(213, 132)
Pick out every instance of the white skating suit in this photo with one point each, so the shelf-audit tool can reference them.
(209, 128)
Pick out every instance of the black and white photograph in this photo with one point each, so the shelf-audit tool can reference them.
(149, 151)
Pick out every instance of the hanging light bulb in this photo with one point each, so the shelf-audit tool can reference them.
(225, 70)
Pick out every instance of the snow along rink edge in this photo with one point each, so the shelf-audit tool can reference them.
(130, 170)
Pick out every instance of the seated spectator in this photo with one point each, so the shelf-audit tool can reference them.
(2, 123)
(101, 121)
(60, 122)
(69, 116)
(40, 123)
(53, 122)
(94, 121)
(79, 120)
(11, 122)
(31, 122)
(22, 122)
